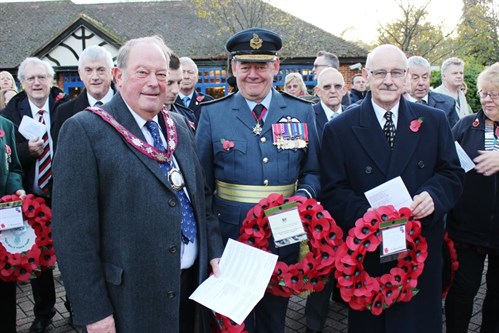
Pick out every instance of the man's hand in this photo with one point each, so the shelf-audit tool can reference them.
(214, 266)
(35, 147)
(21, 194)
(105, 325)
(487, 163)
(422, 205)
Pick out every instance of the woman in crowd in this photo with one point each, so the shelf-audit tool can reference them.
(294, 85)
(5, 96)
(10, 183)
(7, 81)
(474, 222)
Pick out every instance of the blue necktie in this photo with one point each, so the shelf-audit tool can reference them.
(187, 101)
(188, 223)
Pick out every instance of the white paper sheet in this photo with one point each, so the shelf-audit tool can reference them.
(393, 192)
(31, 129)
(245, 274)
(466, 162)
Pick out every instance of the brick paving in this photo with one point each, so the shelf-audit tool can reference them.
(295, 322)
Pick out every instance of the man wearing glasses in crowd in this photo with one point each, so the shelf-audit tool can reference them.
(373, 143)
(325, 60)
(38, 100)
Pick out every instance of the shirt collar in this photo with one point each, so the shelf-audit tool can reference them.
(380, 113)
(35, 109)
(107, 98)
(265, 102)
(329, 113)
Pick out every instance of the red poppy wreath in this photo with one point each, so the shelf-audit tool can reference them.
(363, 292)
(27, 251)
(308, 275)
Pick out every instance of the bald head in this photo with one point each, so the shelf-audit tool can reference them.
(385, 71)
(331, 88)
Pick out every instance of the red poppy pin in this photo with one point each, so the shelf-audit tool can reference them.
(8, 153)
(227, 144)
(476, 122)
(59, 96)
(416, 124)
(199, 98)
(2, 133)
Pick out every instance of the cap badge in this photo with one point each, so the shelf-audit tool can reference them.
(256, 42)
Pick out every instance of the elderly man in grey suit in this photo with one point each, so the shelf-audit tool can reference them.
(130, 223)
(419, 77)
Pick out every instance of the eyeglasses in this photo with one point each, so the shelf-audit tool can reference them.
(319, 65)
(292, 86)
(41, 78)
(395, 74)
(483, 94)
(330, 86)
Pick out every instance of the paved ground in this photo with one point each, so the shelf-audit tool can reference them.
(295, 322)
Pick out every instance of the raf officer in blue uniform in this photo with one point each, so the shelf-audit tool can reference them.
(245, 160)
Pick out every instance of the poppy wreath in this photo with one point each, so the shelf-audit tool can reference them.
(28, 264)
(363, 292)
(313, 271)
(451, 256)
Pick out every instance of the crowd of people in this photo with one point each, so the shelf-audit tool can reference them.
(148, 178)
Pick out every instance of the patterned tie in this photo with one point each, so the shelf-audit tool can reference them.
(389, 128)
(44, 160)
(186, 101)
(258, 109)
(188, 222)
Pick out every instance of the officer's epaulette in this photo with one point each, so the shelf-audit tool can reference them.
(297, 98)
(217, 100)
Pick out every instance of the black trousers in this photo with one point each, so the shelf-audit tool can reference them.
(187, 309)
(44, 295)
(459, 302)
(8, 307)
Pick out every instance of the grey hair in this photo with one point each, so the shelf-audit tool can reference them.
(418, 61)
(188, 61)
(449, 62)
(93, 53)
(21, 73)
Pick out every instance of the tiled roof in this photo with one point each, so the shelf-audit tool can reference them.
(29, 26)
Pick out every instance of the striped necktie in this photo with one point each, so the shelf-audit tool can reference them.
(44, 160)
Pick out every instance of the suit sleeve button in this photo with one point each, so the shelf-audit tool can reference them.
(421, 164)
(172, 249)
(368, 169)
(172, 202)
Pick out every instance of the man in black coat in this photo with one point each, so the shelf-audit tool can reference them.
(188, 96)
(419, 75)
(172, 90)
(373, 143)
(94, 69)
(38, 100)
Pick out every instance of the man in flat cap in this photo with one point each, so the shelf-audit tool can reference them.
(244, 157)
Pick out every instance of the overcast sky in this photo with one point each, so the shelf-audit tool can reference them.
(353, 19)
(359, 19)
